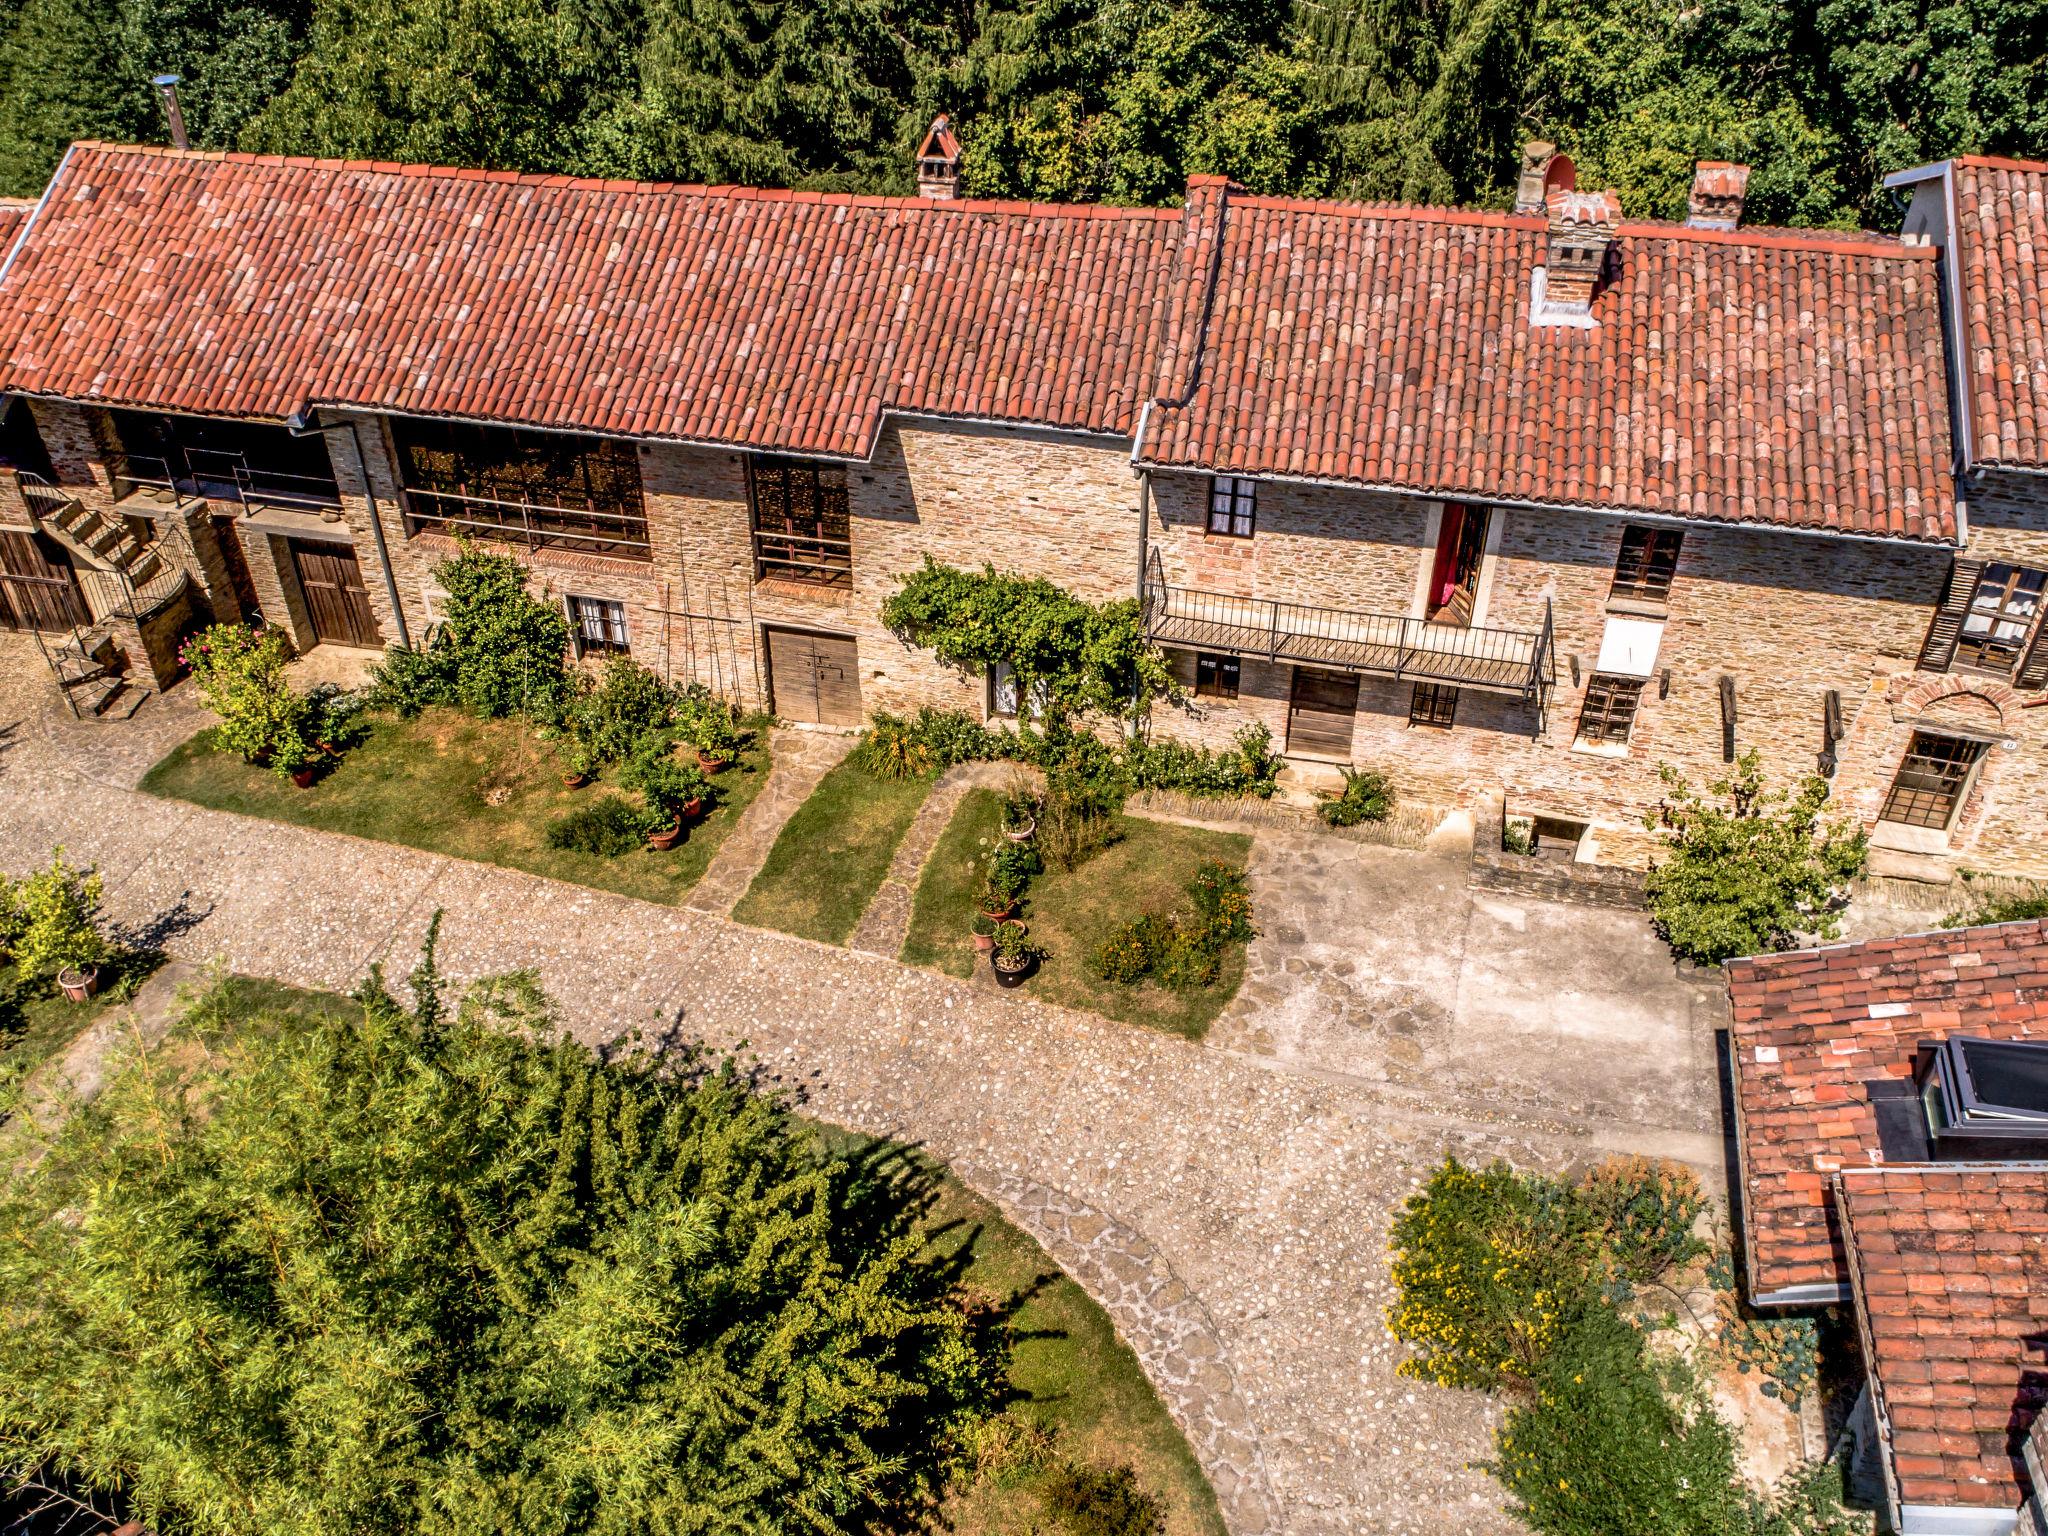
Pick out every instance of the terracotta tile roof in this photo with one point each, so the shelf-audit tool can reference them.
(1951, 1277)
(1752, 376)
(2002, 258)
(252, 285)
(14, 212)
(1811, 1030)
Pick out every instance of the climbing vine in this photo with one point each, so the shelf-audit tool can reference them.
(1078, 656)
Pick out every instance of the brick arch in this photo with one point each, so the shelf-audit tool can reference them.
(1918, 697)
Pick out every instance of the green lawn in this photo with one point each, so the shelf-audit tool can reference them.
(36, 1023)
(1074, 1377)
(1069, 912)
(451, 783)
(832, 855)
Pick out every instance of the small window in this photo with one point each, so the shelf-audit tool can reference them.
(1610, 709)
(1216, 677)
(1003, 693)
(1645, 565)
(1433, 704)
(2002, 610)
(1233, 506)
(1932, 780)
(599, 624)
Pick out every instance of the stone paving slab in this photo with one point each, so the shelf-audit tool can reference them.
(886, 923)
(797, 761)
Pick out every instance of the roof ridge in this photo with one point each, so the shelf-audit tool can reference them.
(2001, 163)
(555, 180)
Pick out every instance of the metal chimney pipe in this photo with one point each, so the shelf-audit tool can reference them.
(168, 86)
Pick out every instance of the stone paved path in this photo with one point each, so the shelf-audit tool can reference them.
(1244, 1194)
(797, 760)
(886, 923)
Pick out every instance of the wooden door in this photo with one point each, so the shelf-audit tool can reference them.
(37, 587)
(816, 678)
(336, 599)
(1320, 713)
(237, 561)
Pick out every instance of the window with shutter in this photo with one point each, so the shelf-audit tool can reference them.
(1940, 647)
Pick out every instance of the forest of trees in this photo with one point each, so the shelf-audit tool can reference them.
(1064, 99)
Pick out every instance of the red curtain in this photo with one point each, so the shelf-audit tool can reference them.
(1443, 576)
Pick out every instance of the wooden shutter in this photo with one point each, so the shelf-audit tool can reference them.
(1940, 647)
(2033, 668)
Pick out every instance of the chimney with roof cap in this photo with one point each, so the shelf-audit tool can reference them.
(1544, 171)
(1716, 201)
(938, 162)
(1582, 226)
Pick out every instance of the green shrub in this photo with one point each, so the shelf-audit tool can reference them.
(1222, 902)
(1249, 767)
(1131, 952)
(1645, 1209)
(407, 682)
(609, 826)
(1751, 876)
(1182, 950)
(711, 728)
(509, 647)
(611, 719)
(666, 781)
(1367, 796)
(1494, 1267)
(240, 672)
(56, 920)
(1102, 1501)
(891, 748)
(2004, 909)
(1007, 872)
(1600, 1448)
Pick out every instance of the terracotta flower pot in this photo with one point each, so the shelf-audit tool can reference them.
(984, 943)
(667, 838)
(693, 808)
(997, 914)
(709, 763)
(79, 983)
(575, 780)
(303, 777)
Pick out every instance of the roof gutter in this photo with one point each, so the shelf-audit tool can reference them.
(21, 238)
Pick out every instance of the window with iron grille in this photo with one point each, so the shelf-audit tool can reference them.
(599, 625)
(1433, 704)
(1233, 506)
(1216, 677)
(1645, 565)
(1932, 779)
(2002, 611)
(1610, 709)
(802, 531)
(539, 490)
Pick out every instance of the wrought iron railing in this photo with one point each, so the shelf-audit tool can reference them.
(1393, 645)
(223, 475)
(43, 500)
(817, 560)
(529, 524)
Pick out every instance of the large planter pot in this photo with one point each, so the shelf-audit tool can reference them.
(667, 838)
(997, 914)
(710, 763)
(1011, 973)
(575, 780)
(303, 777)
(1021, 834)
(693, 808)
(79, 983)
(984, 943)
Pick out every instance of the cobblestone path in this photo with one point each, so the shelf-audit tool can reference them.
(886, 923)
(1229, 1207)
(797, 760)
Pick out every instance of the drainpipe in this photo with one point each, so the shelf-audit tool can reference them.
(296, 425)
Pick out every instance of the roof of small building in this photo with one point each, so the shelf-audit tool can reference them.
(1951, 1280)
(2002, 257)
(1756, 375)
(253, 286)
(1812, 1030)
(1760, 376)
(14, 212)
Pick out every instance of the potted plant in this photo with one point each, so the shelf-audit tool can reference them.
(675, 791)
(1020, 816)
(57, 913)
(717, 738)
(1015, 955)
(577, 766)
(984, 933)
(1001, 887)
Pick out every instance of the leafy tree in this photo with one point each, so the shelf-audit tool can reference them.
(444, 1270)
(508, 646)
(1752, 875)
(240, 672)
(62, 77)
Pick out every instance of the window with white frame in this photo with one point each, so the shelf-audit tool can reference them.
(599, 626)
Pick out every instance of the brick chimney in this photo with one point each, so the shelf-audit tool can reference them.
(1582, 226)
(1716, 201)
(1544, 171)
(938, 162)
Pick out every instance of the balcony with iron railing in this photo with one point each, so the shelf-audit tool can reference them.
(1509, 661)
(529, 524)
(145, 483)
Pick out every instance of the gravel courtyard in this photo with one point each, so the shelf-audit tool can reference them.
(1228, 1202)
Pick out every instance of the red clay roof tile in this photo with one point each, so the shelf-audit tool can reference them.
(2002, 258)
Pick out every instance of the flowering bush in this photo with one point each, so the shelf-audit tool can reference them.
(240, 672)
(1184, 949)
(55, 919)
(1646, 1209)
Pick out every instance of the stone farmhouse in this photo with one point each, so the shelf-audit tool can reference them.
(1517, 506)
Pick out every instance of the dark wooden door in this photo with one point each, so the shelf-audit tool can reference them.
(816, 678)
(37, 587)
(1320, 713)
(335, 596)
(237, 561)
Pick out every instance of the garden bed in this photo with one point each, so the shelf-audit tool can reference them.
(449, 782)
(1069, 912)
(833, 854)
